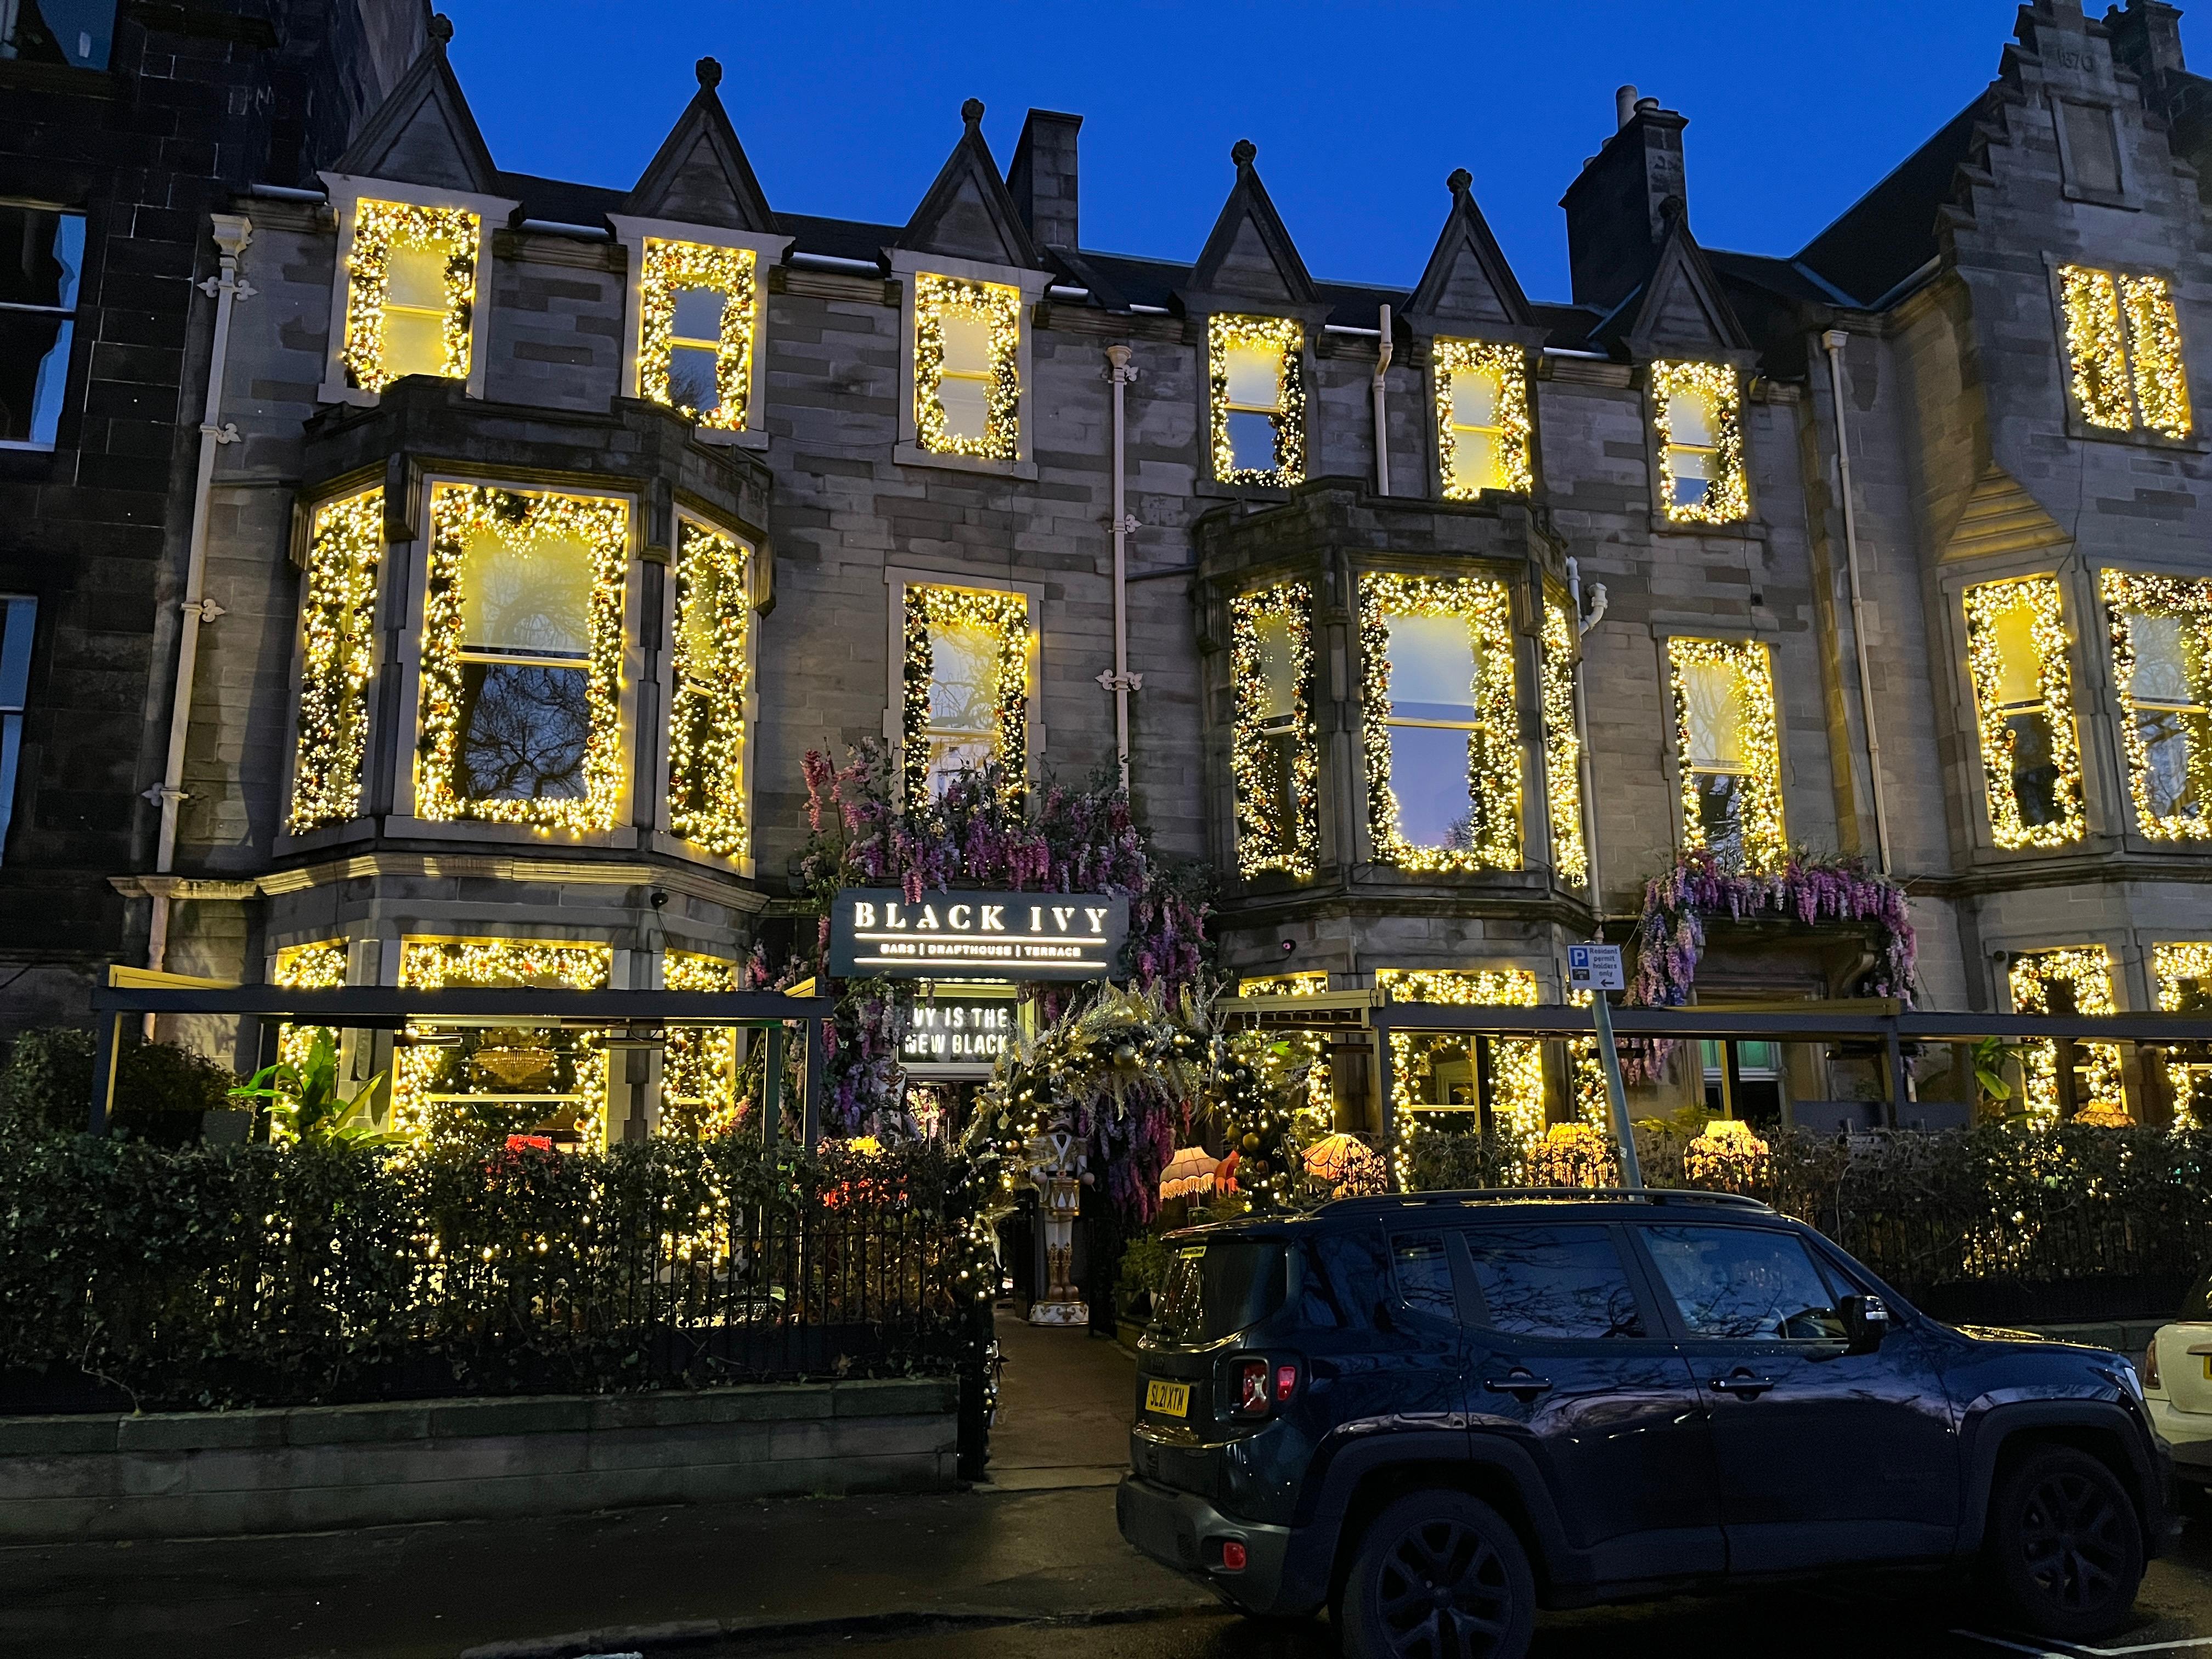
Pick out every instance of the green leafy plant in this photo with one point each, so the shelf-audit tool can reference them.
(1992, 1055)
(304, 1096)
(162, 1091)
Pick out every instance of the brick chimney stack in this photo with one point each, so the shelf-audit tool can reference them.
(1618, 208)
(2147, 42)
(1042, 179)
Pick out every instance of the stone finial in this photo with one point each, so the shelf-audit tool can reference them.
(441, 28)
(1460, 180)
(972, 111)
(1243, 152)
(709, 71)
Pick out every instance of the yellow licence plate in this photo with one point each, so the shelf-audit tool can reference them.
(2208, 1368)
(1168, 1399)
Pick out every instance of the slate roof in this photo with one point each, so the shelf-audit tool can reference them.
(1889, 232)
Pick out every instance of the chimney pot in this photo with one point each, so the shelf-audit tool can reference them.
(1647, 106)
(1624, 106)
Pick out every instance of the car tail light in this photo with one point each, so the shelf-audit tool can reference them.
(1251, 1390)
(2150, 1365)
(1286, 1381)
(1233, 1556)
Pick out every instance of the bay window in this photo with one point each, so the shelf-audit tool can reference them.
(521, 658)
(1273, 748)
(1728, 746)
(2161, 629)
(1441, 724)
(1258, 397)
(712, 671)
(2016, 655)
(337, 658)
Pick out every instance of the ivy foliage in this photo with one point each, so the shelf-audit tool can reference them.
(330, 1271)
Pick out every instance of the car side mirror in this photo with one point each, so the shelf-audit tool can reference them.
(1866, 1321)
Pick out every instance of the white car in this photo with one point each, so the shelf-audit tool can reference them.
(2177, 1382)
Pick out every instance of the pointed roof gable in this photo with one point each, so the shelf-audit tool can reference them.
(423, 133)
(1467, 283)
(1679, 307)
(700, 175)
(1250, 258)
(967, 214)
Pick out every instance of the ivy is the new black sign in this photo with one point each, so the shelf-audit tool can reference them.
(1018, 936)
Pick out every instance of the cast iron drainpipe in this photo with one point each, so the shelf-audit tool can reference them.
(1118, 679)
(232, 233)
(1382, 419)
(1582, 626)
(1833, 340)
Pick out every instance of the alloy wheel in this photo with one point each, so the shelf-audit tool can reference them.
(2073, 1540)
(1444, 1593)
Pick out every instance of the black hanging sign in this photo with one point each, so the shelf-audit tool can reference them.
(875, 933)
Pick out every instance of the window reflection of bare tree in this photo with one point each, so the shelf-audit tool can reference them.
(522, 731)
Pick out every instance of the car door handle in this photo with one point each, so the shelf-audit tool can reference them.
(1520, 1383)
(1743, 1384)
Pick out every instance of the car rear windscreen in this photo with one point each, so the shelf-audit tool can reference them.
(1216, 1289)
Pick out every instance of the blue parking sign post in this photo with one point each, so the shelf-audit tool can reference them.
(1596, 968)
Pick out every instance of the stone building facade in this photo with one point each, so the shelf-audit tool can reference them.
(567, 520)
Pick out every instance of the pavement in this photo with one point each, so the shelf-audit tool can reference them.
(1025, 1565)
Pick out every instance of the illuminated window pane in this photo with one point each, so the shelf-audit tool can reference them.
(1431, 669)
(1690, 419)
(1474, 397)
(1475, 460)
(967, 406)
(1279, 696)
(414, 343)
(1692, 469)
(530, 599)
(962, 678)
(2169, 737)
(417, 279)
(1252, 442)
(967, 342)
(2161, 672)
(698, 314)
(524, 731)
(2020, 660)
(1256, 379)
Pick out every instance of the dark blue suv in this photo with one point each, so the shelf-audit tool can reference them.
(1432, 1414)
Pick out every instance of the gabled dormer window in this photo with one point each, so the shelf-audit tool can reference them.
(411, 293)
(1258, 396)
(1697, 419)
(967, 367)
(697, 315)
(2123, 350)
(1482, 419)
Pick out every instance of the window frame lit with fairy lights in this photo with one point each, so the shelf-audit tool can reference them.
(2181, 979)
(338, 643)
(2087, 972)
(1726, 501)
(439, 656)
(1518, 1080)
(2187, 603)
(661, 251)
(1762, 834)
(1007, 378)
(1496, 772)
(1290, 414)
(349, 359)
(2124, 355)
(1559, 707)
(1274, 751)
(706, 762)
(908, 696)
(1512, 430)
(1981, 606)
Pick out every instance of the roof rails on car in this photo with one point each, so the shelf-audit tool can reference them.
(1552, 1195)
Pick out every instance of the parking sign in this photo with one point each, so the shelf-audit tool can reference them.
(1595, 968)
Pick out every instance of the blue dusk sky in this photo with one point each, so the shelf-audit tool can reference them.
(1360, 111)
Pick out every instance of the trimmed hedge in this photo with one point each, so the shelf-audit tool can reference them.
(2069, 1222)
(162, 1091)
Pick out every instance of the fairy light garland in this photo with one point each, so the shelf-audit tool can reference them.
(2184, 973)
(711, 674)
(999, 307)
(1507, 366)
(459, 513)
(1516, 1064)
(1766, 840)
(1727, 495)
(1285, 337)
(1563, 747)
(668, 269)
(1262, 843)
(2088, 970)
(380, 229)
(320, 966)
(1005, 616)
(699, 1066)
(2161, 374)
(2126, 593)
(1493, 746)
(337, 628)
(434, 964)
(1984, 606)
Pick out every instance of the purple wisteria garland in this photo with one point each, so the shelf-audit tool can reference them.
(1670, 935)
(988, 828)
